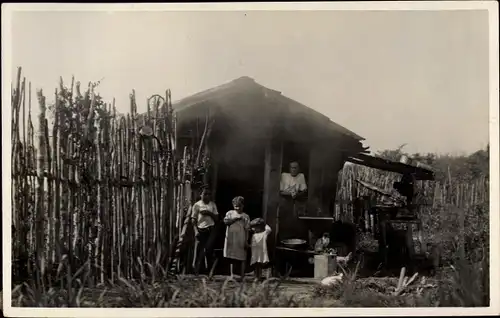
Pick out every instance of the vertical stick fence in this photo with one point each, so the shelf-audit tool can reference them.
(93, 189)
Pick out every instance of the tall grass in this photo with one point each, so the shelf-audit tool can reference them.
(160, 292)
(459, 285)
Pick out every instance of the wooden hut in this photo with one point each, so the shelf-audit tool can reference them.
(254, 132)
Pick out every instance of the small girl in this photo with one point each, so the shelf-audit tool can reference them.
(236, 241)
(258, 244)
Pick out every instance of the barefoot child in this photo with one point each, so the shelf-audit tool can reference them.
(235, 245)
(260, 258)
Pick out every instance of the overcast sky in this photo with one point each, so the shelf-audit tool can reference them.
(393, 77)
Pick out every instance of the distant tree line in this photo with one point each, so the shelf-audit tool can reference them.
(460, 168)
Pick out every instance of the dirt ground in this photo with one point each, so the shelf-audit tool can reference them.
(301, 288)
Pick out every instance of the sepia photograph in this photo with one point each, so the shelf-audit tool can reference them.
(250, 159)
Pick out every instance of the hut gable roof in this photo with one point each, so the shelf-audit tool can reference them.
(247, 84)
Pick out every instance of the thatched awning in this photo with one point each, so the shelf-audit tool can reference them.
(420, 173)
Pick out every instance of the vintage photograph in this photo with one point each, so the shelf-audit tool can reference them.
(191, 157)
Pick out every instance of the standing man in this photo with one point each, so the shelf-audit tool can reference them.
(204, 216)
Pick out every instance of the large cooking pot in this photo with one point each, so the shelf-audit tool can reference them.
(294, 243)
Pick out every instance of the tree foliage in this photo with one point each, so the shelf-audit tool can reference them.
(446, 167)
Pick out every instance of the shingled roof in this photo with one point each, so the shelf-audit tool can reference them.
(247, 84)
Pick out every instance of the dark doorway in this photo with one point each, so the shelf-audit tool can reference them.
(240, 158)
(238, 178)
(230, 186)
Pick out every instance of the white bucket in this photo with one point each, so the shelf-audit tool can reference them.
(324, 265)
(404, 159)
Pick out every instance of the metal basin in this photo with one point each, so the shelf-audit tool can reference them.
(293, 243)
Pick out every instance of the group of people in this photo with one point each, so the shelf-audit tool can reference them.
(242, 234)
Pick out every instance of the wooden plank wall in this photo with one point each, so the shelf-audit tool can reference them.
(272, 175)
(325, 163)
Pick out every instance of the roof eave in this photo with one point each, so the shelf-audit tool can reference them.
(247, 83)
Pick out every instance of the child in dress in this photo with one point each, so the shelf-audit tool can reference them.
(235, 244)
(258, 244)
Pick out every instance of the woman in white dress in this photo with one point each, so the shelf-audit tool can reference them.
(236, 242)
(260, 257)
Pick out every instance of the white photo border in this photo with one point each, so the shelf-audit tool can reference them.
(490, 6)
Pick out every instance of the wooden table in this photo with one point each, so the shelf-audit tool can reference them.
(296, 250)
